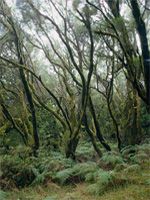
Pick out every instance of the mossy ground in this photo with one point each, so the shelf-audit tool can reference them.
(138, 188)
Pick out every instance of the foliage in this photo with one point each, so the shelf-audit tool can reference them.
(128, 151)
(133, 168)
(104, 180)
(50, 198)
(120, 167)
(75, 174)
(85, 152)
(16, 172)
(3, 195)
(110, 160)
(137, 153)
(49, 130)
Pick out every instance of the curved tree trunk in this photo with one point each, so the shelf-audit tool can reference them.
(32, 108)
(28, 93)
(141, 29)
(93, 140)
(71, 148)
(115, 124)
(133, 131)
(98, 131)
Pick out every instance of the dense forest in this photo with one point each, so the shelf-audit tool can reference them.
(74, 99)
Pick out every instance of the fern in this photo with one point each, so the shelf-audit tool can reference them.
(133, 168)
(42, 178)
(50, 198)
(93, 189)
(145, 149)
(85, 152)
(3, 195)
(104, 180)
(120, 167)
(77, 173)
(139, 158)
(110, 159)
(84, 168)
(19, 172)
(136, 154)
(147, 182)
(90, 177)
(128, 151)
(63, 175)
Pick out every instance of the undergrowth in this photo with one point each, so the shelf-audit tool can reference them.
(18, 170)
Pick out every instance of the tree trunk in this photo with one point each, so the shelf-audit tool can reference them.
(133, 126)
(115, 124)
(32, 108)
(28, 93)
(71, 148)
(93, 140)
(141, 29)
(98, 131)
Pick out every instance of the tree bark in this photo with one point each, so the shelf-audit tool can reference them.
(98, 131)
(93, 140)
(115, 124)
(71, 148)
(132, 127)
(28, 94)
(141, 29)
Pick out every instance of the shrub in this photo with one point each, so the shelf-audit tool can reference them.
(16, 171)
(104, 180)
(75, 174)
(50, 198)
(20, 171)
(62, 176)
(133, 168)
(45, 168)
(145, 148)
(120, 167)
(3, 195)
(128, 151)
(53, 162)
(41, 178)
(110, 160)
(136, 154)
(139, 158)
(85, 152)
(147, 182)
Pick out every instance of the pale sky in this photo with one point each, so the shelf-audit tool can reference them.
(11, 2)
(123, 11)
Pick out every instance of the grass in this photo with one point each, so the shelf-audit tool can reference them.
(139, 189)
(111, 178)
(129, 192)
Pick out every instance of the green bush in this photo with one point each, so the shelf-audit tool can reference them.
(137, 154)
(133, 168)
(85, 152)
(139, 158)
(105, 180)
(63, 176)
(128, 151)
(3, 195)
(101, 180)
(53, 162)
(120, 167)
(16, 171)
(50, 198)
(75, 174)
(110, 159)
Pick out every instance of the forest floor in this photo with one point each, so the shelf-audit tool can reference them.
(139, 189)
